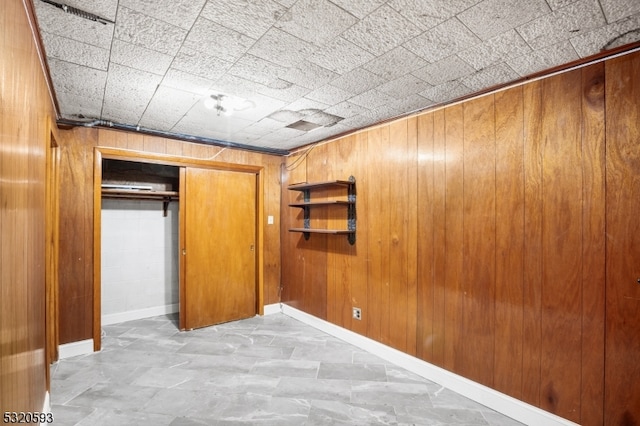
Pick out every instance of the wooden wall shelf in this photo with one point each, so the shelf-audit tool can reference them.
(350, 203)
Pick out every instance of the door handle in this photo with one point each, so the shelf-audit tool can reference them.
(251, 247)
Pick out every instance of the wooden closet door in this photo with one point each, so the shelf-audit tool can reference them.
(219, 252)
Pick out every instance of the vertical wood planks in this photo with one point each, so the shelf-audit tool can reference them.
(593, 245)
(439, 237)
(509, 256)
(561, 290)
(622, 371)
(532, 271)
(26, 115)
(454, 238)
(478, 241)
(425, 234)
(509, 242)
(394, 325)
(377, 218)
(359, 252)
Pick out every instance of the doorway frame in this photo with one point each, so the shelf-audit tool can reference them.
(106, 153)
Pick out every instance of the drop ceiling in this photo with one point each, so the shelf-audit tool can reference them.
(306, 70)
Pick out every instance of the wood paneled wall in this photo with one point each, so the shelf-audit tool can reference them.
(622, 373)
(76, 226)
(481, 240)
(25, 124)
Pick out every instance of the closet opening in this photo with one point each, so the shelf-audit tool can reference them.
(139, 241)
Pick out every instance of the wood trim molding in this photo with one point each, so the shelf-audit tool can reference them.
(172, 160)
(97, 250)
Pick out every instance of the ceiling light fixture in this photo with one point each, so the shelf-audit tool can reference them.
(227, 105)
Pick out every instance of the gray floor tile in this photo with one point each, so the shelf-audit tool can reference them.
(270, 370)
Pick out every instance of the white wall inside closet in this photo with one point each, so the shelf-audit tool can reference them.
(139, 259)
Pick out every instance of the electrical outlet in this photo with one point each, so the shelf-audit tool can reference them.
(357, 313)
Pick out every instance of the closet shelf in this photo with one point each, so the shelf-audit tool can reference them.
(139, 194)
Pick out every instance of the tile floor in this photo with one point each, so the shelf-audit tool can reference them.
(271, 370)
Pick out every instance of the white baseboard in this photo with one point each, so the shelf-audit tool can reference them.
(274, 308)
(83, 347)
(509, 406)
(139, 314)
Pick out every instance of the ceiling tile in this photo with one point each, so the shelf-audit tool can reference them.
(489, 77)
(427, 14)
(266, 125)
(168, 105)
(329, 95)
(264, 105)
(371, 99)
(55, 21)
(404, 86)
(286, 116)
(400, 107)
(347, 109)
(395, 63)
(256, 69)
(251, 18)
(231, 85)
(357, 81)
(281, 48)
(542, 59)
(282, 135)
(217, 41)
(497, 49)
(129, 89)
(446, 91)
(200, 64)
(323, 118)
(340, 56)
(187, 82)
(75, 107)
(181, 13)
(613, 35)
(447, 69)
(121, 113)
(309, 75)
(77, 80)
(558, 4)
(306, 104)
(615, 10)
(492, 17)
(75, 51)
(286, 3)
(444, 40)
(315, 21)
(363, 120)
(359, 8)
(137, 28)
(381, 31)
(563, 24)
(289, 93)
(138, 57)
